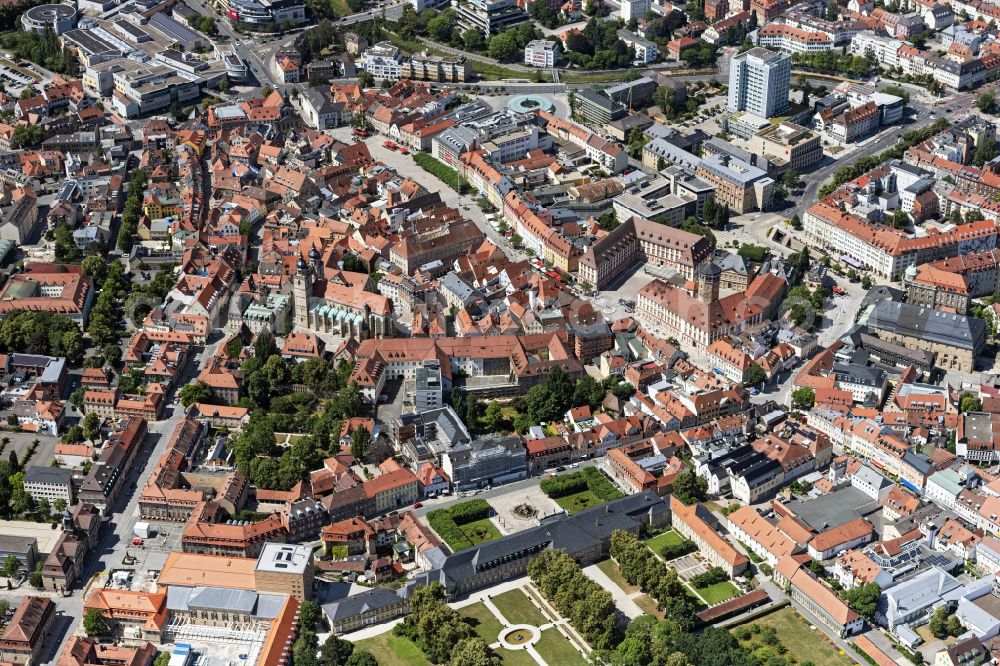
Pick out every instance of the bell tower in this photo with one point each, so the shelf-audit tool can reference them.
(301, 288)
(708, 282)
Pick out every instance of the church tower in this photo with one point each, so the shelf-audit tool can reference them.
(301, 288)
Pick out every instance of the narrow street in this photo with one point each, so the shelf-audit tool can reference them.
(116, 533)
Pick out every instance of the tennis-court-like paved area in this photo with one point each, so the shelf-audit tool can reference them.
(688, 566)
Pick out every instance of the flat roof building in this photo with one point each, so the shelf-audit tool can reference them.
(759, 80)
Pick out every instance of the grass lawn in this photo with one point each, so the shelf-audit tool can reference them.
(592, 77)
(719, 592)
(483, 621)
(389, 649)
(411, 46)
(479, 531)
(648, 606)
(577, 502)
(795, 634)
(518, 609)
(516, 657)
(340, 7)
(611, 570)
(491, 74)
(657, 543)
(556, 649)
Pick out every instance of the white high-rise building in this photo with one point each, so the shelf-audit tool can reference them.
(634, 8)
(758, 82)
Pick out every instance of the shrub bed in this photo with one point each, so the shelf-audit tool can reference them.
(446, 521)
(586, 479)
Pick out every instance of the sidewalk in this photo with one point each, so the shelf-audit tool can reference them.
(622, 600)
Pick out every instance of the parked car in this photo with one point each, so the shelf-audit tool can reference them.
(417, 505)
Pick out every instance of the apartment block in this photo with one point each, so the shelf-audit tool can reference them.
(759, 80)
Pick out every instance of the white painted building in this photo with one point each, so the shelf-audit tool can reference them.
(383, 61)
(634, 9)
(542, 53)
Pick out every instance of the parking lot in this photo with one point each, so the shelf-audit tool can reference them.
(15, 78)
(20, 441)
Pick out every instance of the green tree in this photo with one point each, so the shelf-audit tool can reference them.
(335, 651)
(803, 397)
(91, 427)
(195, 392)
(74, 435)
(939, 623)
(20, 501)
(96, 267)
(473, 39)
(264, 347)
(832, 10)
(503, 47)
(864, 600)
(276, 371)
(361, 439)
(986, 150)
(207, 26)
(969, 403)
(755, 375)
(35, 579)
(441, 629)
(94, 624)
(689, 487)
(361, 658)
(986, 102)
(11, 566)
(493, 419)
(234, 347)
(439, 28)
(474, 651)
(27, 136)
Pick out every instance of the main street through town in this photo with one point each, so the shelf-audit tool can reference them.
(116, 533)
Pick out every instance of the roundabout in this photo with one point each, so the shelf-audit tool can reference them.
(519, 636)
(530, 104)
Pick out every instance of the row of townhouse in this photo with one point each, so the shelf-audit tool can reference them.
(887, 253)
(892, 53)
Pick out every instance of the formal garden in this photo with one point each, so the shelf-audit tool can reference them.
(506, 629)
(465, 524)
(517, 608)
(580, 490)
